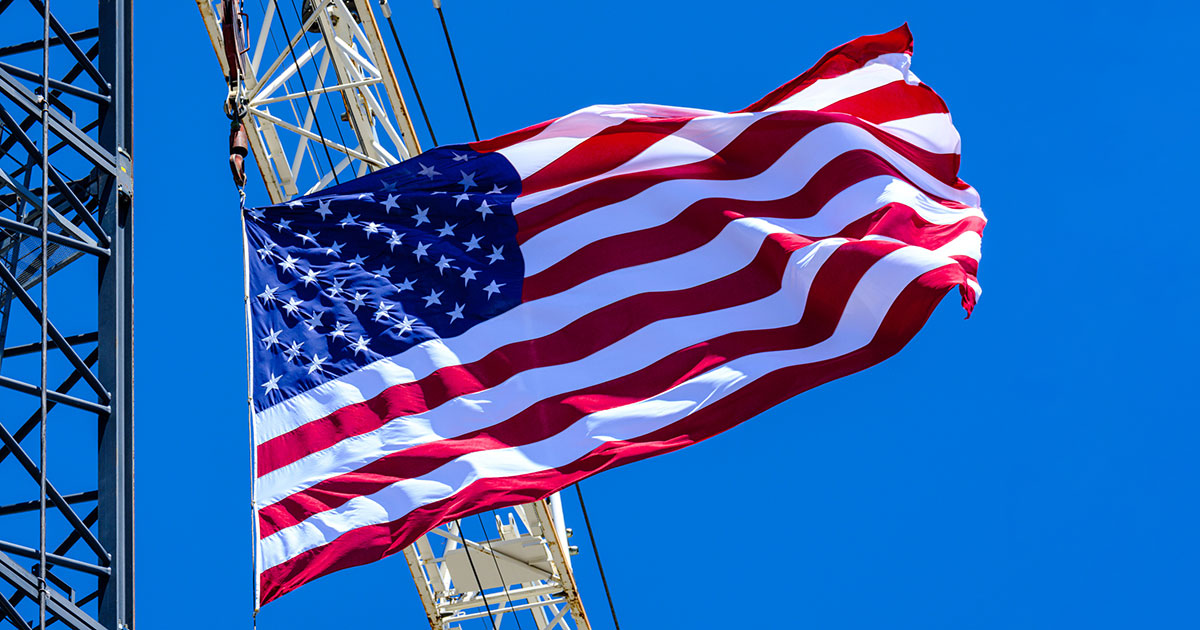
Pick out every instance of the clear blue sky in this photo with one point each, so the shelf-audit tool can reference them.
(1033, 467)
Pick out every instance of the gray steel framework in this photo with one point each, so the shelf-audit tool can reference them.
(66, 314)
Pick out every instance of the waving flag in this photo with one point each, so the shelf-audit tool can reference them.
(485, 324)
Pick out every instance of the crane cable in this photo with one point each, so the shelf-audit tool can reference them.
(304, 84)
(596, 550)
(387, 13)
(487, 540)
(291, 102)
(437, 4)
(467, 550)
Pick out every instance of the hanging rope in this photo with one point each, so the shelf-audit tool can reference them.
(304, 84)
(478, 582)
(437, 4)
(596, 550)
(387, 12)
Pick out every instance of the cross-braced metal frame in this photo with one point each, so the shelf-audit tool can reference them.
(66, 314)
(301, 72)
(526, 568)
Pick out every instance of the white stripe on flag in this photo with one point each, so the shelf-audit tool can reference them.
(567, 132)
(878, 72)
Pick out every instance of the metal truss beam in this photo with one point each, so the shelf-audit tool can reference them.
(27, 586)
(29, 506)
(36, 44)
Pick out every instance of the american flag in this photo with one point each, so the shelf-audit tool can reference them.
(484, 324)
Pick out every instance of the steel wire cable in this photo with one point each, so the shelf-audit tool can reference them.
(596, 550)
(329, 52)
(579, 491)
(495, 561)
(407, 69)
(304, 84)
(291, 102)
(467, 550)
(454, 58)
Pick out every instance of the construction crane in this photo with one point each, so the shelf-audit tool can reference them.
(66, 315)
(313, 96)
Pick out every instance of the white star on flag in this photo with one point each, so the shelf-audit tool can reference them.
(493, 288)
(316, 364)
(468, 180)
(406, 325)
(272, 338)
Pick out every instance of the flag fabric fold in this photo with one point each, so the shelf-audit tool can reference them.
(484, 324)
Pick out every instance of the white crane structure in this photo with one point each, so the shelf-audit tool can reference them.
(527, 568)
(332, 58)
(364, 125)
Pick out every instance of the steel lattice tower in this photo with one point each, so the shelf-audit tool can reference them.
(66, 314)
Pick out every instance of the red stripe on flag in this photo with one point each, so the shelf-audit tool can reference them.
(841, 60)
(509, 139)
(601, 153)
(894, 101)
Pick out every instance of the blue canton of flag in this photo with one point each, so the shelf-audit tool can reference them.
(421, 250)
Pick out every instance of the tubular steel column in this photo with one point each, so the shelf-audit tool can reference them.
(116, 318)
(84, 265)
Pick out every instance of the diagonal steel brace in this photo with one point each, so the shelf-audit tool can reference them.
(27, 585)
(59, 501)
(66, 348)
(69, 42)
(36, 417)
